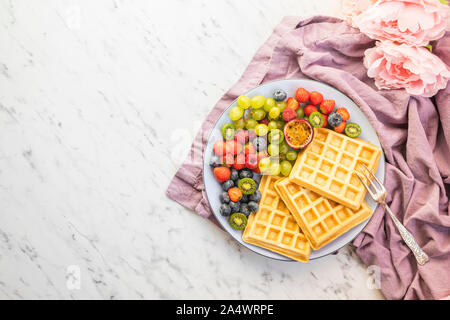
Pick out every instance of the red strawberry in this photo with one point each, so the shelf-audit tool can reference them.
(301, 95)
(292, 104)
(251, 161)
(222, 174)
(289, 114)
(249, 148)
(326, 106)
(315, 97)
(219, 148)
(340, 128)
(241, 137)
(344, 113)
(235, 194)
(310, 109)
(239, 163)
(325, 120)
(233, 147)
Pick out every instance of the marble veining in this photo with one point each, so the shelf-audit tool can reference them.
(99, 103)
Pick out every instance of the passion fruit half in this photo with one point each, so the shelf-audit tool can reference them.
(298, 133)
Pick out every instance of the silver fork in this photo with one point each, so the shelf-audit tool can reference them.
(379, 195)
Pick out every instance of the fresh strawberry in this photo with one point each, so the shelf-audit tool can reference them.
(233, 147)
(340, 128)
(310, 109)
(344, 113)
(327, 106)
(228, 159)
(219, 148)
(235, 194)
(249, 148)
(292, 104)
(241, 136)
(289, 114)
(302, 95)
(239, 163)
(222, 174)
(251, 161)
(315, 97)
(325, 120)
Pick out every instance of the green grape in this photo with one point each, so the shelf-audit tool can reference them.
(274, 113)
(276, 135)
(291, 155)
(236, 113)
(273, 149)
(239, 124)
(300, 112)
(251, 123)
(281, 105)
(244, 102)
(272, 125)
(284, 148)
(258, 101)
(270, 103)
(261, 129)
(280, 124)
(275, 168)
(285, 168)
(264, 165)
(258, 114)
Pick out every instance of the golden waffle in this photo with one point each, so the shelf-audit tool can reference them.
(320, 219)
(273, 227)
(326, 166)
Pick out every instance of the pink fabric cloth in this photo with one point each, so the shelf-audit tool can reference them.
(414, 132)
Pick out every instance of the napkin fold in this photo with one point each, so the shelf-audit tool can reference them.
(414, 133)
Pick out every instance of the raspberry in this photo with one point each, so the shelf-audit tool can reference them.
(289, 114)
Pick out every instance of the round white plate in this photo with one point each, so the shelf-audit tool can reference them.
(213, 188)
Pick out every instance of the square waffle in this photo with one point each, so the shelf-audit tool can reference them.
(273, 227)
(326, 166)
(322, 220)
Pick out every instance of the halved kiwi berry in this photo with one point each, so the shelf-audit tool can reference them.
(352, 130)
(316, 119)
(238, 221)
(228, 131)
(247, 185)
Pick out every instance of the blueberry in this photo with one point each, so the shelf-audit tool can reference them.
(260, 143)
(244, 209)
(256, 196)
(234, 175)
(245, 198)
(224, 197)
(253, 206)
(279, 95)
(227, 185)
(245, 173)
(225, 209)
(215, 161)
(334, 119)
(235, 206)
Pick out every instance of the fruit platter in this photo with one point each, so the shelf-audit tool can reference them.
(278, 169)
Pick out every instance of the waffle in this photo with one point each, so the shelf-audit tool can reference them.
(326, 166)
(322, 220)
(273, 227)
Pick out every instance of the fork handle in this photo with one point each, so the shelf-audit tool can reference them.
(420, 255)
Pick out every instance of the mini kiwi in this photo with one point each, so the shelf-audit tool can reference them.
(238, 221)
(316, 119)
(247, 185)
(352, 130)
(228, 131)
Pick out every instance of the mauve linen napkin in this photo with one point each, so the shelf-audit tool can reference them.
(414, 132)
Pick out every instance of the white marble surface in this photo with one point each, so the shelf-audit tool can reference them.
(99, 102)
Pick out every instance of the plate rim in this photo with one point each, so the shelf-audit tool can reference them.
(279, 257)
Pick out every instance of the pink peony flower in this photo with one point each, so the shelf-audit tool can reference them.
(397, 66)
(415, 22)
(353, 8)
